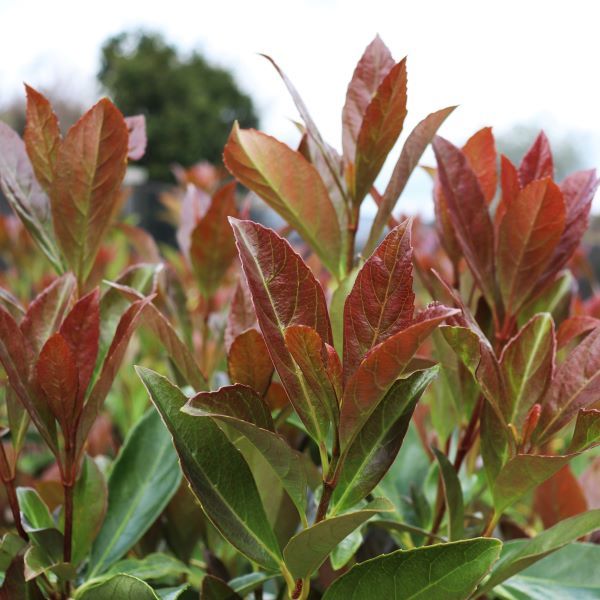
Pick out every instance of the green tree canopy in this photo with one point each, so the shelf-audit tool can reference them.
(189, 104)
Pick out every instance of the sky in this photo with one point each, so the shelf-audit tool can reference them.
(504, 63)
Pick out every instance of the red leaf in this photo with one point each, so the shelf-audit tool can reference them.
(375, 63)
(89, 169)
(290, 185)
(381, 302)
(559, 497)
(468, 213)
(58, 377)
(42, 137)
(310, 354)
(285, 293)
(480, 151)
(46, 312)
(576, 385)
(249, 362)
(81, 330)
(241, 315)
(527, 238)
(136, 127)
(212, 247)
(381, 368)
(537, 163)
(509, 178)
(381, 126)
(573, 327)
(416, 143)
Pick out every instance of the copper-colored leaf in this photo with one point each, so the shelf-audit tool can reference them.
(510, 186)
(590, 482)
(81, 330)
(290, 185)
(576, 385)
(212, 247)
(559, 497)
(587, 430)
(58, 376)
(90, 166)
(42, 137)
(381, 302)
(480, 150)
(136, 126)
(416, 143)
(380, 369)
(241, 315)
(573, 327)
(381, 126)
(468, 213)
(249, 362)
(375, 63)
(537, 162)
(527, 238)
(285, 293)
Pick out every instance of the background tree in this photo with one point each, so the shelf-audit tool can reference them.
(189, 104)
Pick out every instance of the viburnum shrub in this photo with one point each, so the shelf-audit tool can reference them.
(415, 420)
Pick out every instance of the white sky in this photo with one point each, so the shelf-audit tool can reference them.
(503, 62)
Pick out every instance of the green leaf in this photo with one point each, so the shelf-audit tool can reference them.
(449, 571)
(119, 586)
(570, 573)
(248, 583)
(10, 545)
(453, 495)
(587, 430)
(290, 185)
(375, 448)
(287, 463)
(217, 473)
(527, 364)
(518, 555)
(156, 565)
(336, 308)
(214, 588)
(346, 549)
(37, 562)
(182, 592)
(307, 550)
(90, 500)
(34, 509)
(143, 479)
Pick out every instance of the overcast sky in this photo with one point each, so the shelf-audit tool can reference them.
(505, 62)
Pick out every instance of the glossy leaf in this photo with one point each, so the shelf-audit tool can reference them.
(381, 367)
(244, 412)
(249, 362)
(143, 479)
(518, 555)
(537, 162)
(380, 128)
(416, 143)
(45, 314)
(58, 377)
(575, 386)
(241, 316)
(570, 573)
(468, 213)
(527, 237)
(449, 571)
(90, 166)
(285, 293)
(453, 495)
(480, 151)
(118, 586)
(217, 473)
(307, 550)
(42, 137)
(290, 185)
(373, 66)
(153, 566)
(573, 327)
(214, 588)
(212, 248)
(381, 302)
(527, 364)
(587, 430)
(375, 448)
(25, 196)
(559, 498)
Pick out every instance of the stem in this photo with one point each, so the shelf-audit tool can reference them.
(68, 488)
(491, 524)
(8, 478)
(352, 228)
